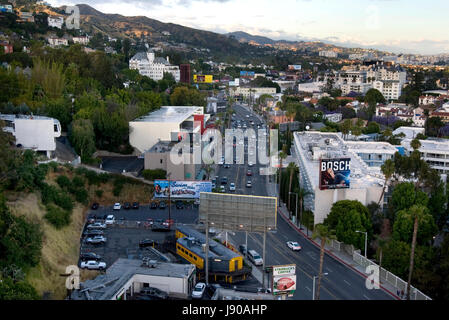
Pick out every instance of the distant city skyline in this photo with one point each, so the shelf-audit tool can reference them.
(399, 26)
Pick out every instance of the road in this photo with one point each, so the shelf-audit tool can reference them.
(341, 283)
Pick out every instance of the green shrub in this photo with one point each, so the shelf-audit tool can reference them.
(154, 174)
(117, 190)
(92, 177)
(48, 193)
(63, 200)
(82, 196)
(78, 182)
(63, 182)
(81, 171)
(54, 166)
(104, 177)
(57, 217)
(99, 193)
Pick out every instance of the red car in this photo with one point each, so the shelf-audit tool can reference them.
(249, 173)
(284, 284)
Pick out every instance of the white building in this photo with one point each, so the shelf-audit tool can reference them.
(333, 117)
(148, 65)
(328, 54)
(366, 183)
(84, 40)
(311, 87)
(409, 132)
(434, 151)
(33, 132)
(254, 93)
(165, 124)
(55, 21)
(374, 154)
(54, 42)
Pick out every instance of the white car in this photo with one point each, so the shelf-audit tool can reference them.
(222, 189)
(117, 206)
(250, 164)
(248, 184)
(294, 245)
(198, 291)
(232, 187)
(93, 265)
(97, 225)
(110, 219)
(96, 240)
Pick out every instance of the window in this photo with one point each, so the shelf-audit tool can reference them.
(161, 160)
(55, 127)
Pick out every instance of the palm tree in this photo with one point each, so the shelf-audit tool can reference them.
(381, 242)
(325, 234)
(282, 155)
(291, 169)
(415, 144)
(302, 193)
(417, 212)
(388, 171)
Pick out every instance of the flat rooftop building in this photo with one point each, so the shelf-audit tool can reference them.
(126, 277)
(434, 151)
(363, 183)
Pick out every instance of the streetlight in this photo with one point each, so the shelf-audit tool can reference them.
(296, 195)
(366, 239)
(169, 199)
(314, 277)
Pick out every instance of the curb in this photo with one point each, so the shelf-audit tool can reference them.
(332, 255)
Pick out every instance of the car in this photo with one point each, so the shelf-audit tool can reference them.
(95, 206)
(147, 243)
(154, 293)
(250, 164)
(135, 205)
(179, 204)
(294, 245)
(211, 288)
(93, 232)
(222, 189)
(224, 180)
(232, 186)
(89, 256)
(214, 185)
(117, 206)
(227, 166)
(96, 225)
(198, 291)
(91, 219)
(93, 265)
(247, 115)
(127, 206)
(162, 205)
(96, 240)
(243, 249)
(160, 225)
(214, 180)
(249, 173)
(153, 205)
(248, 184)
(110, 219)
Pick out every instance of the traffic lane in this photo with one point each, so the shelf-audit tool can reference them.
(338, 272)
(187, 215)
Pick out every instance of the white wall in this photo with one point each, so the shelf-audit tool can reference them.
(37, 134)
(143, 135)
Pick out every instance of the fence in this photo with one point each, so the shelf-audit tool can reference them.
(386, 276)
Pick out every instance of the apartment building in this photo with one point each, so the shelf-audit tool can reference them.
(55, 21)
(328, 54)
(247, 92)
(434, 151)
(153, 67)
(55, 42)
(84, 40)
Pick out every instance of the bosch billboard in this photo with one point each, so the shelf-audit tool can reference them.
(334, 173)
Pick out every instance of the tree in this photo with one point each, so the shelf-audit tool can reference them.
(403, 226)
(83, 138)
(291, 168)
(345, 127)
(282, 156)
(21, 290)
(415, 144)
(387, 169)
(406, 195)
(325, 234)
(374, 96)
(433, 126)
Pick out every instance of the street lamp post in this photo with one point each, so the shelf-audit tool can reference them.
(313, 291)
(296, 195)
(366, 239)
(169, 199)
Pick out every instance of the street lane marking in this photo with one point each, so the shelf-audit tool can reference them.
(366, 297)
(347, 282)
(309, 289)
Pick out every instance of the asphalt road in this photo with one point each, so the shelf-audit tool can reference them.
(341, 283)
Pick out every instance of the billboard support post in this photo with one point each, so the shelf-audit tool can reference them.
(207, 252)
(263, 267)
(169, 200)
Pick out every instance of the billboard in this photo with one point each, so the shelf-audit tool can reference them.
(247, 74)
(295, 67)
(334, 173)
(181, 189)
(208, 78)
(284, 279)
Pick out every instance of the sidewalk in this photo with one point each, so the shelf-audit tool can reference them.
(340, 256)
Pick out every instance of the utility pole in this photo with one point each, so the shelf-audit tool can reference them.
(169, 200)
(207, 250)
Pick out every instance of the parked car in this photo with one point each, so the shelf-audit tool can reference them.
(249, 173)
(96, 240)
(232, 186)
(135, 205)
(243, 249)
(110, 219)
(224, 180)
(162, 205)
(127, 206)
(89, 256)
(227, 166)
(93, 232)
(293, 245)
(248, 184)
(147, 243)
(154, 293)
(211, 288)
(117, 206)
(198, 291)
(222, 189)
(95, 206)
(179, 204)
(250, 164)
(160, 225)
(153, 205)
(93, 265)
(96, 225)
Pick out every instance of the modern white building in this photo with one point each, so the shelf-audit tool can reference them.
(333, 117)
(434, 151)
(254, 93)
(374, 154)
(84, 40)
(311, 87)
(55, 21)
(366, 183)
(328, 54)
(127, 277)
(33, 132)
(409, 132)
(165, 124)
(148, 65)
(54, 42)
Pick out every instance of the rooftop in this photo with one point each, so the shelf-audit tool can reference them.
(170, 114)
(371, 147)
(429, 145)
(105, 286)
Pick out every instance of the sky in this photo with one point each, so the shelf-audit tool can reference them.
(400, 26)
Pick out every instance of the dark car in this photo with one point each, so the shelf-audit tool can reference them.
(95, 206)
(211, 288)
(160, 225)
(243, 249)
(224, 180)
(154, 293)
(93, 232)
(135, 205)
(179, 205)
(227, 166)
(249, 173)
(87, 256)
(127, 206)
(147, 243)
(162, 205)
(153, 205)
